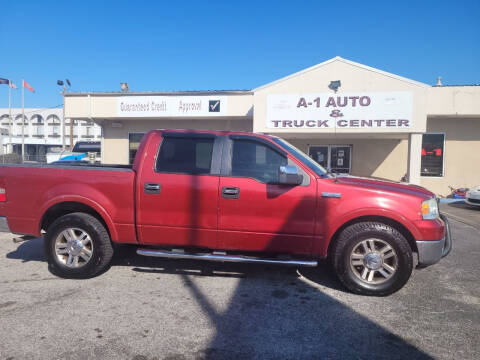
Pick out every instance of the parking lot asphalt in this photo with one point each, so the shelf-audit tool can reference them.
(463, 212)
(146, 309)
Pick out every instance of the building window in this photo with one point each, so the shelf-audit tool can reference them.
(19, 120)
(432, 154)
(133, 144)
(39, 131)
(5, 120)
(53, 120)
(37, 119)
(256, 160)
(185, 155)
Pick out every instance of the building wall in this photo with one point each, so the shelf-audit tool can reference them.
(461, 154)
(453, 100)
(383, 158)
(116, 139)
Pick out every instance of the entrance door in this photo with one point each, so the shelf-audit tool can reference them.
(177, 195)
(340, 158)
(336, 158)
(257, 214)
(320, 155)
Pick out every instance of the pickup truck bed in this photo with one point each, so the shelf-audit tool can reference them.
(33, 189)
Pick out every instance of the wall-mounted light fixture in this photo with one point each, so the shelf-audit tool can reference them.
(334, 85)
(124, 87)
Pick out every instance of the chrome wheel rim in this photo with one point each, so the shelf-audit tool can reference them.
(373, 261)
(73, 247)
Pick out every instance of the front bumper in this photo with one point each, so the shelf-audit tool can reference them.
(430, 252)
(4, 224)
(473, 197)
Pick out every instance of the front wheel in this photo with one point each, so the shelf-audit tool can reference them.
(77, 245)
(372, 258)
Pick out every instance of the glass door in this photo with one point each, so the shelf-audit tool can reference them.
(320, 155)
(336, 158)
(340, 158)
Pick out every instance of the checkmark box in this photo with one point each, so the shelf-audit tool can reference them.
(214, 106)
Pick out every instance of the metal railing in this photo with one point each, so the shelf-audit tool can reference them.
(14, 158)
(35, 158)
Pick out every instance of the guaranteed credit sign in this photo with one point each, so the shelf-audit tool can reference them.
(171, 106)
(386, 110)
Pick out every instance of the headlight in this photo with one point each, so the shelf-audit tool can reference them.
(429, 209)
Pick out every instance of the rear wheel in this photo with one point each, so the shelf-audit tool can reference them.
(372, 258)
(77, 245)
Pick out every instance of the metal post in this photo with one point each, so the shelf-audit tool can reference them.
(71, 134)
(23, 120)
(63, 121)
(10, 116)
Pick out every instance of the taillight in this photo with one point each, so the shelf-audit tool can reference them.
(3, 194)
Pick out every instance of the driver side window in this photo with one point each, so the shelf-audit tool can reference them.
(256, 160)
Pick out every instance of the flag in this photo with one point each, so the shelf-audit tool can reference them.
(11, 84)
(27, 86)
(4, 81)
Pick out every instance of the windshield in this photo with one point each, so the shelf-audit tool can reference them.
(81, 147)
(304, 158)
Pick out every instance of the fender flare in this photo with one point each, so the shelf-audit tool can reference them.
(82, 200)
(366, 212)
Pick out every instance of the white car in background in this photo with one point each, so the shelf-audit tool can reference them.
(472, 196)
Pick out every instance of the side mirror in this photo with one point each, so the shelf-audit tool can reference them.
(288, 175)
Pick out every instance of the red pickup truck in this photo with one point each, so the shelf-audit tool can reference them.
(225, 196)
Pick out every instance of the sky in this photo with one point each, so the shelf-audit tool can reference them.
(227, 45)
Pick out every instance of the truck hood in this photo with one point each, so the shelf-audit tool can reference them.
(385, 185)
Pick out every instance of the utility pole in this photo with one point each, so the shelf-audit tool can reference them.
(63, 120)
(65, 86)
(23, 120)
(10, 116)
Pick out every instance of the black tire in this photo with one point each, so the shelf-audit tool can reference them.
(100, 245)
(351, 239)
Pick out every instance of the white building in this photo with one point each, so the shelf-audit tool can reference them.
(44, 131)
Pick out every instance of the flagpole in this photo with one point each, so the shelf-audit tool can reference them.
(10, 115)
(23, 120)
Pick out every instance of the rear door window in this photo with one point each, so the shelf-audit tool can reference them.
(184, 155)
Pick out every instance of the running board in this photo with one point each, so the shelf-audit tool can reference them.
(223, 257)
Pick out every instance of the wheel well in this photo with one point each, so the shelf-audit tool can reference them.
(65, 208)
(395, 224)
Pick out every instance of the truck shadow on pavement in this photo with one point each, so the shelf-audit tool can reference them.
(273, 312)
(30, 250)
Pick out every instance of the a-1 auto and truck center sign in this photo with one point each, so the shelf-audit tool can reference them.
(390, 111)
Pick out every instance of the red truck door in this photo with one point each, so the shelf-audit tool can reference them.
(177, 191)
(254, 213)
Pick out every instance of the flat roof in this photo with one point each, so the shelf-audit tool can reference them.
(164, 93)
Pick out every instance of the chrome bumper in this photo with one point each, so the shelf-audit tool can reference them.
(430, 252)
(4, 224)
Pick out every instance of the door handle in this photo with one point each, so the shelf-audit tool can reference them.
(151, 188)
(230, 192)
